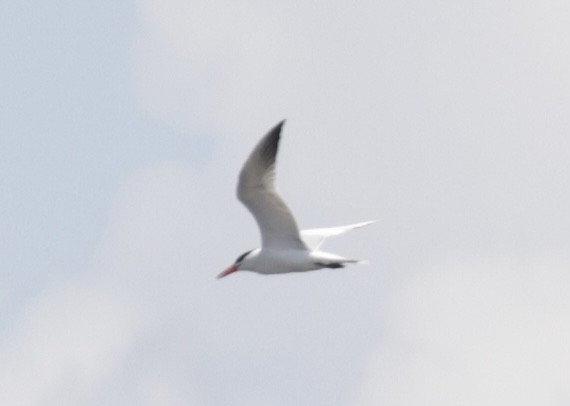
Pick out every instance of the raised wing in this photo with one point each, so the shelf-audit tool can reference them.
(315, 237)
(256, 190)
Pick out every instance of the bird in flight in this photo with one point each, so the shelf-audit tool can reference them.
(283, 247)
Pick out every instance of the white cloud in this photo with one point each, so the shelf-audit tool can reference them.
(471, 333)
(66, 345)
(76, 342)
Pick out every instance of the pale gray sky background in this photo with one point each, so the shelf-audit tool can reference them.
(123, 126)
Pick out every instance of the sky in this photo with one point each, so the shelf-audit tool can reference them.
(123, 125)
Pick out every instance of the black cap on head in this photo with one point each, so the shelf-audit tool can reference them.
(242, 257)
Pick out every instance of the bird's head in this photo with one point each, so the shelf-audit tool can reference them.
(244, 261)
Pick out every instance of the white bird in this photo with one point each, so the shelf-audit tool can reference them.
(283, 248)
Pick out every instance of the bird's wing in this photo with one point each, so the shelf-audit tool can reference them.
(256, 190)
(315, 237)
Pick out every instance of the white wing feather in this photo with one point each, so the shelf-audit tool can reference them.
(256, 190)
(315, 237)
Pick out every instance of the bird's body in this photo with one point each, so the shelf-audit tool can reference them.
(284, 248)
(270, 261)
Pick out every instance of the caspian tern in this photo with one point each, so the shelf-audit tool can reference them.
(283, 248)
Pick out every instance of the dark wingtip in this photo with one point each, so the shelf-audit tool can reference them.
(270, 143)
(277, 129)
